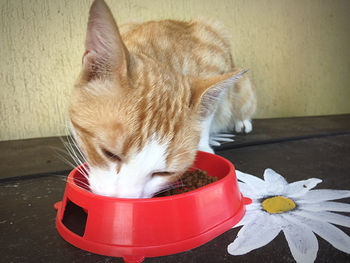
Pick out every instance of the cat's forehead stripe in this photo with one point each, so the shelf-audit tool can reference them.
(80, 128)
(158, 108)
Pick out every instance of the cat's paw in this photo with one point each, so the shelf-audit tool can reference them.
(243, 126)
(218, 138)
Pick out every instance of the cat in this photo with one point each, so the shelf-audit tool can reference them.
(149, 97)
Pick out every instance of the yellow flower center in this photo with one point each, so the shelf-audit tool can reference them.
(278, 204)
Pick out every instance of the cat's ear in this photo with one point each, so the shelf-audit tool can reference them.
(105, 51)
(207, 91)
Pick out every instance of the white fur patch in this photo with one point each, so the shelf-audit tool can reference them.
(205, 134)
(207, 127)
(134, 175)
(155, 185)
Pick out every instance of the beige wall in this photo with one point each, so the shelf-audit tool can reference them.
(297, 52)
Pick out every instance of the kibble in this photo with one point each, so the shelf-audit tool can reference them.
(190, 181)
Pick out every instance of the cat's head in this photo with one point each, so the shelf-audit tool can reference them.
(137, 123)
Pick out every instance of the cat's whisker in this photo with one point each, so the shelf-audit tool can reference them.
(65, 160)
(80, 186)
(83, 172)
(74, 142)
(80, 182)
(78, 164)
(69, 146)
(69, 152)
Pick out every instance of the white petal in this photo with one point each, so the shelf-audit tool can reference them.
(253, 181)
(271, 177)
(225, 135)
(302, 242)
(214, 143)
(325, 217)
(247, 191)
(222, 139)
(275, 184)
(257, 233)
(301, 187)
(325, 206)
(314, 196)
(329, 232)
(253, 206)
(248, 216)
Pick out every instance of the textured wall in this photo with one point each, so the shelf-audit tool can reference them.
(297, 51)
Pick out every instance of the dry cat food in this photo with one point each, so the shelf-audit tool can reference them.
(191, 180)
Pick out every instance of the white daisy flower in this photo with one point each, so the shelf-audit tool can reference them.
(294, 209)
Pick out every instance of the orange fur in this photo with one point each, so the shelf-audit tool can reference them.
(158, 78)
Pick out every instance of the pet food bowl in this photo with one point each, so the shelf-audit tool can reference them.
(139, 228)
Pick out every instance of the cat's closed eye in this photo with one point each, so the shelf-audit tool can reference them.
(164, 173)
(111, 156)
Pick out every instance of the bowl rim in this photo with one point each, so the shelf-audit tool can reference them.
(89, 194)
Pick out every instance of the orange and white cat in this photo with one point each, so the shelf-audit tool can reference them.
(149, 97)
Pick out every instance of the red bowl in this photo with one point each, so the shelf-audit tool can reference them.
(138, 228)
